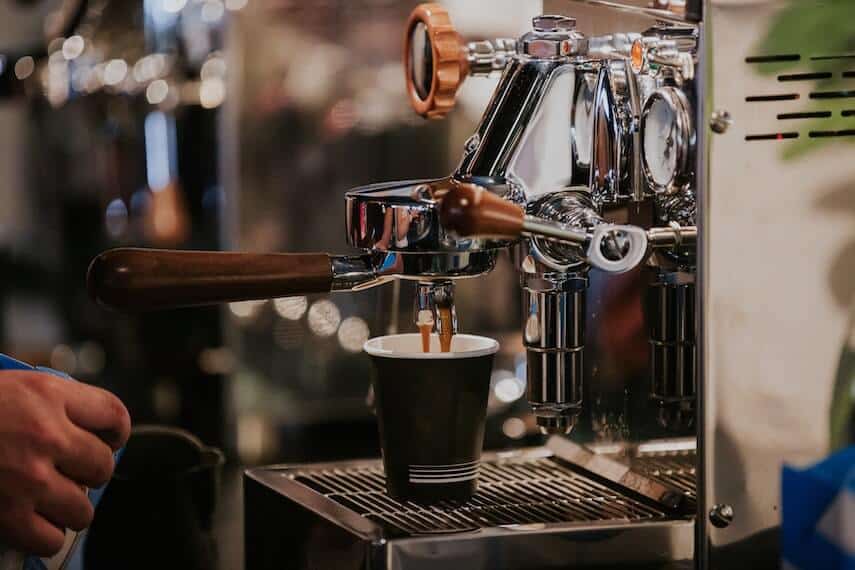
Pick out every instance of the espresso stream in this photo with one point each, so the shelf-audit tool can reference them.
(425, 329)
(445, 327)
(425, 324)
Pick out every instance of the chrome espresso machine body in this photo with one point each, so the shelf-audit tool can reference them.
(638, 137)
(635, 160)
(562, 137)
(558, 172)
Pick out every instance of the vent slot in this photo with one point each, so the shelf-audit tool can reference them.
(772, 137)
(828, 57)
(805, 76)
(824, 134)
(772, 58)
(781, 97)
(832, 94)
(804, 115)
(829, 97)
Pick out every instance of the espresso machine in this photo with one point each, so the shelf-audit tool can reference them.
(634, 160)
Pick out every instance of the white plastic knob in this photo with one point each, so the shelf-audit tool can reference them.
(635, 254)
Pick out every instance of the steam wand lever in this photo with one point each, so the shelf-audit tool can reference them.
(471, 210)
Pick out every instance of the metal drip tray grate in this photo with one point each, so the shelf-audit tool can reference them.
(511, 491)
(673, 468)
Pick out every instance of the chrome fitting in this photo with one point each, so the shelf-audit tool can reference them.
(431, 296)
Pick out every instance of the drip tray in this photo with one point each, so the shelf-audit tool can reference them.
(673, 468)
(532, 511)
(511, 491)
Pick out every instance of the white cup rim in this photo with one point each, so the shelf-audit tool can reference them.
(487, 346)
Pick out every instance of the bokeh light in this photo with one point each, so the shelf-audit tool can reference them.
(324, 318)
(291, 308)
(246, 310)
(220, 360)
(62, 358)
(212, 92)
(157, 91)
(91, 358)
(115, 72)
(24, 67)
(73, 47)
(353, 333)
(506, 387)
(214, 67)
(514, 428)
(212, 11)
(174, 6)
(116, 218)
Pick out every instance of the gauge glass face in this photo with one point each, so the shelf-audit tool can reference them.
(421, 60)
(583, 123)
(661, 137)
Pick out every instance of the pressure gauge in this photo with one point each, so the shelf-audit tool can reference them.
(668, 139)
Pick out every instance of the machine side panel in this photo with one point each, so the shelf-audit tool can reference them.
(776, 279)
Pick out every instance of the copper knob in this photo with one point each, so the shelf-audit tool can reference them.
(435, 59)
(471, 210)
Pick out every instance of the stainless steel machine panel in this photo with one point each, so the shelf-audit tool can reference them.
(776, 272)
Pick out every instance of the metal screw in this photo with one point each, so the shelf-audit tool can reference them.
(721, 516)
(720, 121)
(472, 143)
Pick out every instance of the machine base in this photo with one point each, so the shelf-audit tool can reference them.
(532, 511)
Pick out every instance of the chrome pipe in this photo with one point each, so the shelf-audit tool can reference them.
(509, 114)
(554, 338)
(660, 237)
(672, 236)
(670, 317)
(536, 227)
(487, 57)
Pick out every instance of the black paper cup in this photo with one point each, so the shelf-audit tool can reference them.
(431, 408)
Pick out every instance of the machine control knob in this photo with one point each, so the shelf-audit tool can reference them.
(436, 60)
(550, 23)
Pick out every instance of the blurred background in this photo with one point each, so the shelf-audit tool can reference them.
(240, 125)
(226, 124)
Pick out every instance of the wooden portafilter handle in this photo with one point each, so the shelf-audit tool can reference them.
(471, 210)
(136, 280)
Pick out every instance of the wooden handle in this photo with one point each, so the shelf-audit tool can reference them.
(471, 210)
(134, 280)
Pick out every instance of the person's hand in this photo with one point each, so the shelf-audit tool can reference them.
(56, 436)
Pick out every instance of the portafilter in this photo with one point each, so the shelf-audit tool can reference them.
(396, 225)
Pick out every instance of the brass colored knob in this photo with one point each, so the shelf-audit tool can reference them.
(435, 58)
